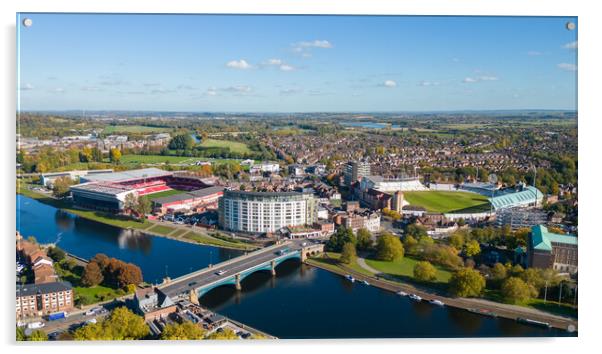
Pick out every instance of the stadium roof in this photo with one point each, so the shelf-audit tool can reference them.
(189, 195)
(512, 199)
(104, 188)
(541, 238)
(128, 175)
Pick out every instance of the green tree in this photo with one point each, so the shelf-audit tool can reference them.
(348, 254)
(181, 142)
(498, 272)
(86, 155)
(21, 334)
(389, 247)
(56, 253)
(122, 324)
(97, 154)
(38, 336)
(472, 248)
(182, 331)
(115, 155)
(143, 206)
(467, 282)
(425, 271)
(416, 231)
(515, 290)
(342, 236)
(364, 239)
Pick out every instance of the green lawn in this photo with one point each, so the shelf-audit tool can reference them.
(446, 201)
(404, 268)
(179, 233)
(234, 146)
(161, 229)
(85, 295)
(164, 194)
(112, 129)
(206, 240)
(133, 159)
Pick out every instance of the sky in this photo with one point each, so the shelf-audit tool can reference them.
(237, 63)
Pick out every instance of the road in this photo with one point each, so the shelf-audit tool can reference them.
(207, 276)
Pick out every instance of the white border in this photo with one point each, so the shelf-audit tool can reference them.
(589, 124)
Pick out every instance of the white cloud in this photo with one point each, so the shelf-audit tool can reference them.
(470, 80)
(567, 67)
(428, 83)
(570, 45)
(286, 67)
(238, 89)
(239, 64)
(390, 83)
(274, 62)
(316, 44)
(26, 87)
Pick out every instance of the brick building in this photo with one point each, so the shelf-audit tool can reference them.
(35, 300)
(550, 250)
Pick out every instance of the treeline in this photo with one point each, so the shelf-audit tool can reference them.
(111, 272)
(183, 145)
(51, 159)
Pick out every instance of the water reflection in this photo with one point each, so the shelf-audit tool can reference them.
(63, 220)
(135, 240)
(468, 322)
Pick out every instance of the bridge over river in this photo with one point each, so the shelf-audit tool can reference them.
(232, 272)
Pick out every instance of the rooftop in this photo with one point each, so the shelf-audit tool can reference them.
(128, 175)
(509, 199)
(45, 288)
(541, 238)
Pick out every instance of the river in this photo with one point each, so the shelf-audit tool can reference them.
(299, 302)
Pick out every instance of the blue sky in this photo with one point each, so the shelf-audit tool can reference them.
(295, 63)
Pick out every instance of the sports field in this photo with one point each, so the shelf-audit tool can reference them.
(448, 202)
(164, 194)
(112, 129)
(234, 146)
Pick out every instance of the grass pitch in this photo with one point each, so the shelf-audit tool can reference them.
(234, 146)
(448, 202)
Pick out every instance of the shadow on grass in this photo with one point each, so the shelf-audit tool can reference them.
(430, 287)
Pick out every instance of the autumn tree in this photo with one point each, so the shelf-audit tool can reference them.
(472, 248)
(457, 240)
(143, 206)
(114, 155)
(92, 275)
(225, 334)
(121, 324)
(467, 282)
(182, 331)
(60, 187)
(425, 271)
(389, 247)
(86, 155)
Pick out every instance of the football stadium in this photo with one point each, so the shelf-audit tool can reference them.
(107, 191)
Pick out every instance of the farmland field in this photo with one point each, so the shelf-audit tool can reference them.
(234, 146)
(447, 202)
(112, 129)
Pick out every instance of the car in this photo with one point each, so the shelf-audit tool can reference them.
(220, 272)
(91, 321)
(246, 335)
(192, 283)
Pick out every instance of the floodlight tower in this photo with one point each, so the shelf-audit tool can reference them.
(493, 180)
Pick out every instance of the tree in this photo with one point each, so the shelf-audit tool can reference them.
(467, 282)
(348, 255)
(60, 187)
(498, 272)
(114, 155)
(416, 231)
(425, 271)
(389, 248)
(86, 155)
(515, 290)
(143, 206)
(21, 334)
(181, 142)
(342, 236)
(128, 274)
(97, 154)
(92, 275)
(472, 248)
(364, 239)
(122, 324)
(38, 336)
(457, 240)
(409, 244)
(56, 253)
(129, 202)
(182, 331)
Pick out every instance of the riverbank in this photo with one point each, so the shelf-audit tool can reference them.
(146, 226)
(512, 312)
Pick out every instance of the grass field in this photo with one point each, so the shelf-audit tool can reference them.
(404, 268)
(234, 146)
(112, 129)
(446, 202)
(212, 241)
(161, 229)
(164, 194)
(125, 159)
